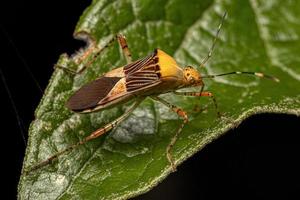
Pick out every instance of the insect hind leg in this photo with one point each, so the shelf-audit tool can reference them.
(104, 129)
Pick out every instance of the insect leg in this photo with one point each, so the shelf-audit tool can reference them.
(180, 113)
(112, 124)
(124, 47)
(214, 42)
(92, 136)
(201, 94)
(123, 44)
(85, 55)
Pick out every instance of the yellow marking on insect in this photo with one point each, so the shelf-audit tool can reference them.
(119, 88)
(118, 72)
(259, 74)
(276, 79)
(168, 66)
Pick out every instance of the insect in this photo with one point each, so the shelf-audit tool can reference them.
(155, 74)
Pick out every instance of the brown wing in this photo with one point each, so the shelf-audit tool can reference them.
(142, 73)
(88, 96)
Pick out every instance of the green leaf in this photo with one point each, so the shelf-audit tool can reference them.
(130, 160)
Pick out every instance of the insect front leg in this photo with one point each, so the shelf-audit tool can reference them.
(201, 94)
(92, 136)
(180, 113)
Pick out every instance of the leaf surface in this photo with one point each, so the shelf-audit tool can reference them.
(130, 160)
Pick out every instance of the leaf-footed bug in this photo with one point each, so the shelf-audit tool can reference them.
(155, 74)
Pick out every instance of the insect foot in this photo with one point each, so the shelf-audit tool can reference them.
(170, 158)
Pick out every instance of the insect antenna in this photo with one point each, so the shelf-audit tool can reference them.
(214, 41)
(14, 106)
(258, 74)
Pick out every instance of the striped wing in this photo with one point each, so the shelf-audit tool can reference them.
(139, 75)
(142, 73)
